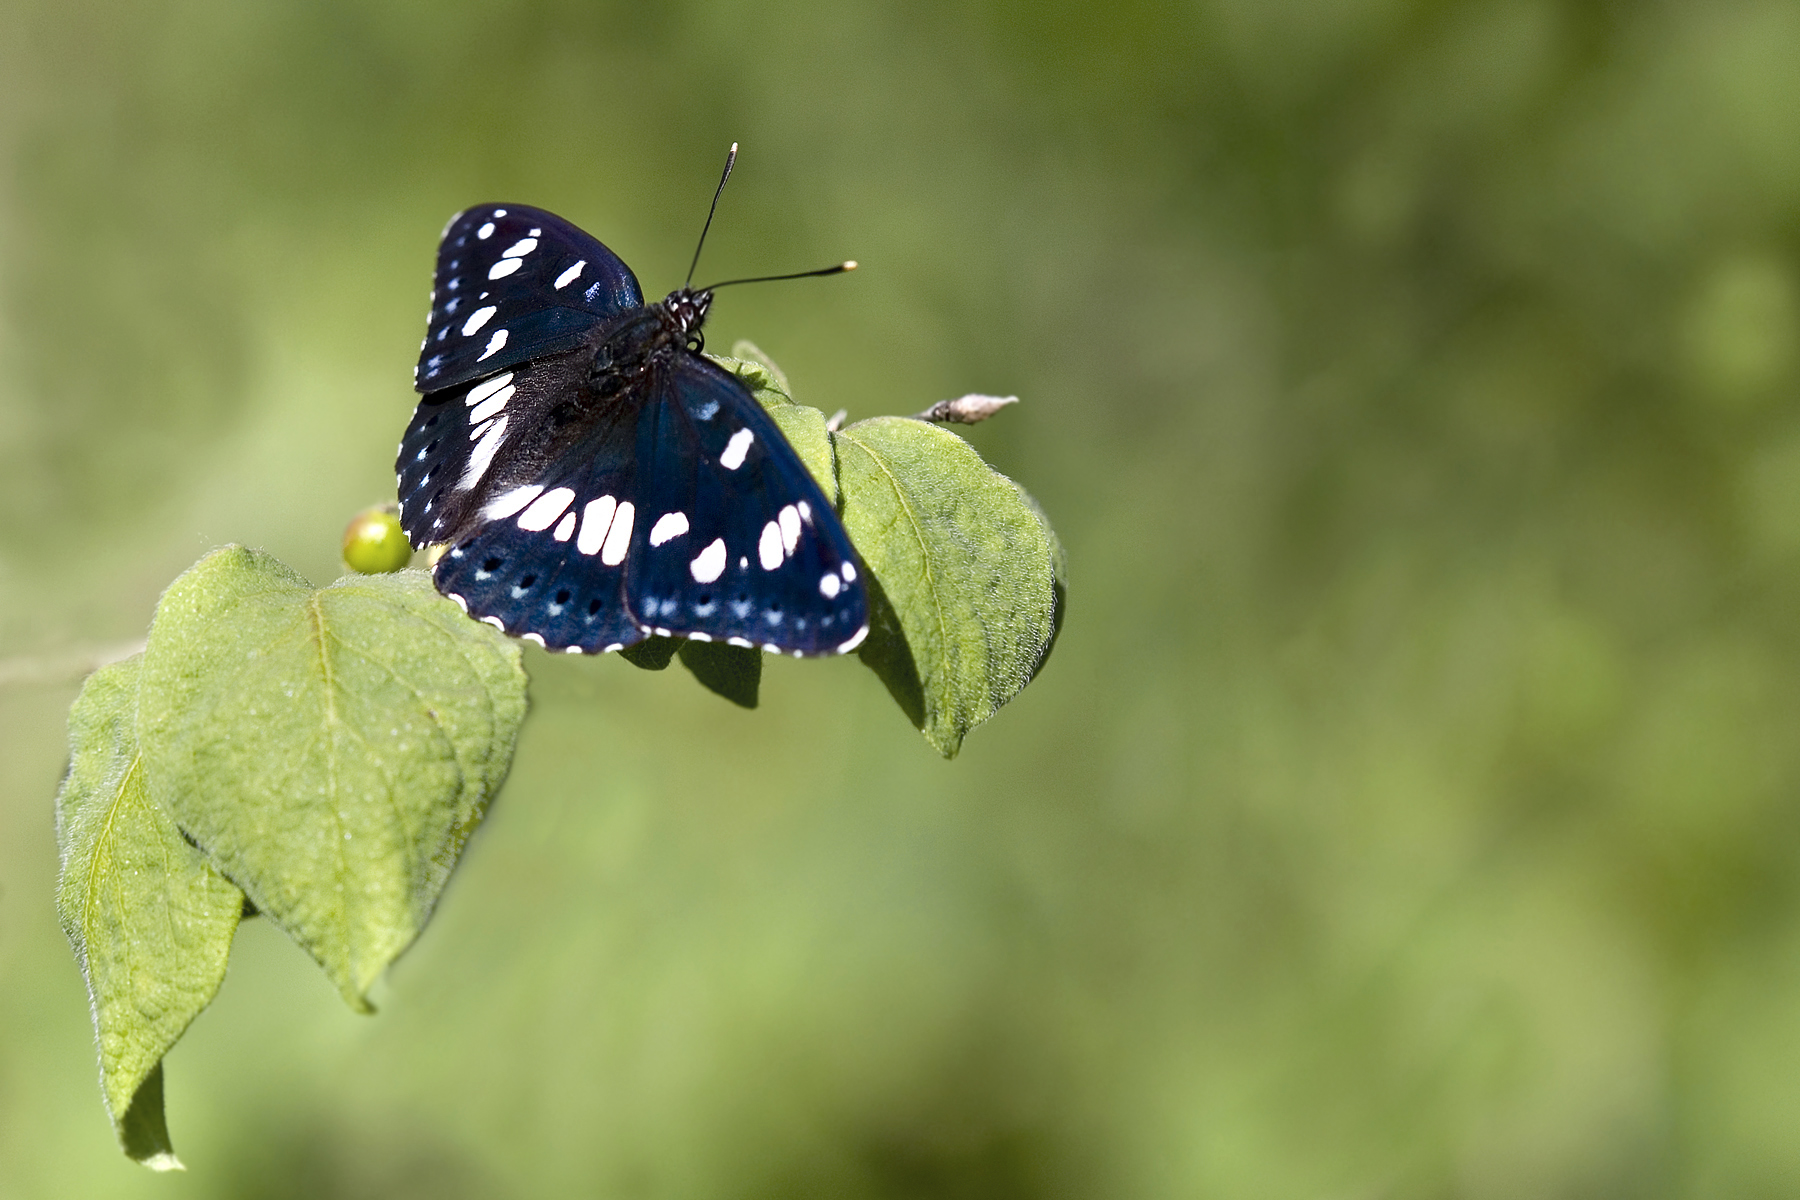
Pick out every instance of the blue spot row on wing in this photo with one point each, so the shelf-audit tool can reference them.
(524, 582)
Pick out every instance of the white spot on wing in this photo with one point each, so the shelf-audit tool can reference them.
(565, 528)
(849, 572)
(698, 637)
(709, 564)
(543, 512)
(805, 511)
(668, 527)
(829, 585)
(768, 547)
(520, 248)
(746, 643)
(493, 404)
(595, 518)
(486, 388)
(532, 637)
(482, 456)
(487, 231)
(496, 622)
(506, 505)
(618, 538)
(790, 527)
(569, 276)
(854, 641)
(503, 268)
(477, 319)
(494, 344)
(733, 456)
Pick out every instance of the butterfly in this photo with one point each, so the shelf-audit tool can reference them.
(596, 478)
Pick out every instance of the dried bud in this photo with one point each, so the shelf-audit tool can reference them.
(967, 410)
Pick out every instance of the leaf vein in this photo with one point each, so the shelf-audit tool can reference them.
(937, 607)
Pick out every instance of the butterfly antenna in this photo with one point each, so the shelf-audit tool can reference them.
(730, 158)
(837, 269)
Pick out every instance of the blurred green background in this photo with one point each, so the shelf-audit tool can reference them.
(1409, 809)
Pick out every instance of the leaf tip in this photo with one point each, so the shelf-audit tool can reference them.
(357, 998)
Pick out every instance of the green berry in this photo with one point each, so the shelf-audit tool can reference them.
(374, 543)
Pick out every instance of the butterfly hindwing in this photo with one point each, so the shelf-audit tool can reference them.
(515, 283)
(736, 542)
(558, 578)
(541, 553)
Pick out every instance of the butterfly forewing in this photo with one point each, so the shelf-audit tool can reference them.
(515, 283)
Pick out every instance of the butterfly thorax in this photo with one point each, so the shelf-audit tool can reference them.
(642, 341)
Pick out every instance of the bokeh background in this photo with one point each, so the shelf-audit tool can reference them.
(1409, 808)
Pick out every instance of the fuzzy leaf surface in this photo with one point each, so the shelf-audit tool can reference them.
(331, 749)
(149, 918)
(965, 599)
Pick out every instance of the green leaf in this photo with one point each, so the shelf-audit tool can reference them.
(330, 748)
(1059, 583)
(968, 590)
(757, 369)
(143, 1130)
(965, 599)
(802, 425)
(734, 672)
(654, 653)
(149, 918)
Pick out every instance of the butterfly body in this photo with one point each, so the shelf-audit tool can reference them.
(596, 479)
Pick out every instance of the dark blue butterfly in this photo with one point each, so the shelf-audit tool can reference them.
(596, 478)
